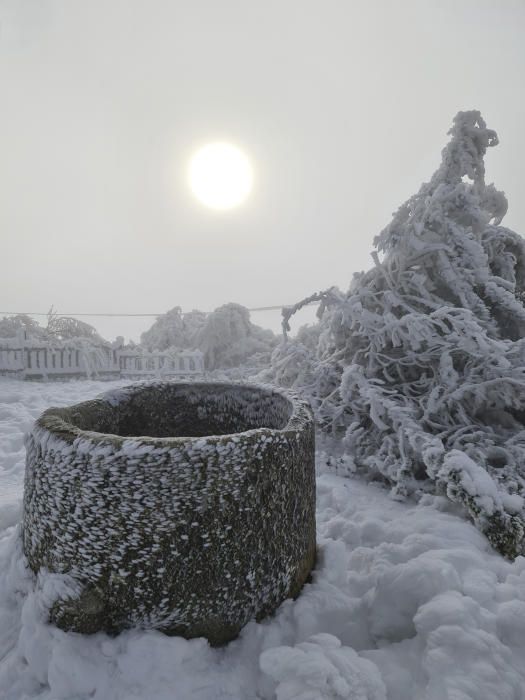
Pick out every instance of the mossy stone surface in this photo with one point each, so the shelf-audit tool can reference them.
(188, 508)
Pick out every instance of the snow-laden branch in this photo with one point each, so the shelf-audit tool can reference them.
(420, 366)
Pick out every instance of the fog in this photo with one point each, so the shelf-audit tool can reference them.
(342, 108)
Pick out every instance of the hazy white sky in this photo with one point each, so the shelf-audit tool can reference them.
(342, 105)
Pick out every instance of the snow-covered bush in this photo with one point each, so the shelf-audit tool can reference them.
(57, 328)
(226, 336)
(11, 325)
(229, 338)
(174, 329)
(420, 366)
(66, 328)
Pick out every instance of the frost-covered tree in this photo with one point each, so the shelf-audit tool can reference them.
(226, 336)
(166, 332)
(174, 329)
(229, 338)
(420, 366)
(11, 325)
(67, 328)
(58, 328)
(193, 323)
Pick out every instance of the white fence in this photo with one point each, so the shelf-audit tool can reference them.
(184, 363)
(31, 358)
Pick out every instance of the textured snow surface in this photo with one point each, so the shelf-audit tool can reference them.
(407, 602)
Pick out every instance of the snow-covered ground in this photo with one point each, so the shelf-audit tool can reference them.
(407, 602)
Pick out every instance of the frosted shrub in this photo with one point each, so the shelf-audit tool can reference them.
(226, 336)
(229, 338)
(10, 326)
(420, 366)
(66, 328)
(173, 329)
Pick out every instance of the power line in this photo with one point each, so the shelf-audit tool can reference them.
(112, 315)
(39, 313)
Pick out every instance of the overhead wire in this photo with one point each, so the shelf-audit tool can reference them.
(107, 315)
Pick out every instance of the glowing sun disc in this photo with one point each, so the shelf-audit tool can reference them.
(220, 175)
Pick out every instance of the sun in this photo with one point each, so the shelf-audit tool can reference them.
(220, 175)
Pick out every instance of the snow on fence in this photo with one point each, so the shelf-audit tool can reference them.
(183, 363)
(26, 357)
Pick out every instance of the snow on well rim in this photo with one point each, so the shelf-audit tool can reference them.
(58, 420)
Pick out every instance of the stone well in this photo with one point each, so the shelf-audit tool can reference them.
(184, 507)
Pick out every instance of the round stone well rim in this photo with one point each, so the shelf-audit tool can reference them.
(54, 419)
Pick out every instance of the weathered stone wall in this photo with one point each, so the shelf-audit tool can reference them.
(202, 524)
